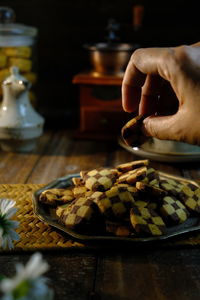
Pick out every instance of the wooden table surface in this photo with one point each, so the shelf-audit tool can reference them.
(148, 273)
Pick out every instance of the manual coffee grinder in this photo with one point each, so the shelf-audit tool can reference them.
(101, 113)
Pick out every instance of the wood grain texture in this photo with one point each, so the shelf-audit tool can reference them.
(71, 275)
(66, 156)
(149, 275)
(17, 167)
(114, 274)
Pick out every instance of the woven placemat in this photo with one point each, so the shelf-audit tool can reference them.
(36, 235)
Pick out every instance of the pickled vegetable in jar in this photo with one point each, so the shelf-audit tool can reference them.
(17, 48)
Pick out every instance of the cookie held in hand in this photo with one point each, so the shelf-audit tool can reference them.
(132, 132)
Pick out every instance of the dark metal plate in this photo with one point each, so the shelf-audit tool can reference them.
(48, 216)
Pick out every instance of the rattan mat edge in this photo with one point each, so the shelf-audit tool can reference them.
(36, 235)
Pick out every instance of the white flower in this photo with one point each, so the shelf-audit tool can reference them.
(28, 284)
(7, 207)
(7, 234)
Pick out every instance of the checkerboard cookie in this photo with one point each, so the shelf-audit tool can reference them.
(190, 198)
(132, 132)
(79, 191)
(99, 179)
(78, 214)
(63, 208)
(147, 221)
(54, 197)
(114, 203)
(126, 167)
(146, 202)
(141, 203)
(173, 187)
(130, 188)
(151, 191)
(194, 188)
(77, 181)
(152, 177)
(131, 177)
(173, 211)
(189, 195)
(119, 229)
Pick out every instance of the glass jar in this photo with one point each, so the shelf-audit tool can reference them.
(17, 48)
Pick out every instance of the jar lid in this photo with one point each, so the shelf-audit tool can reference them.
(14, 34)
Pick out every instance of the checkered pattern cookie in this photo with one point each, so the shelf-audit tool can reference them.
(141, 203)
(152, 177)
(118, 229)
(77, 181)
(190, 198)
(65, 207)
(54, 197)
(80, 213)
(80, 191)
(114, 203)
(145, 202)
(189, 195)
(194, 188)
(130, 188)
(147, 221)
(123, 168)
(173, 210)
(100, 179)
(132, 132)
(150, 190)
(132, 176)
(173, 187)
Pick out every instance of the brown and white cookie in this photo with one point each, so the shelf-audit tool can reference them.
(152, 177)
(115, 203)
(100, 179)
(150, 191)
(173, 211)
(171, 186)
(78, 214)
(123, 168)
(77, 181)
(133, 176)
(132, 132)
(54, 197)
(64, 207)
(119, 229)
(190, 197)
(147, 221)
(130, 188)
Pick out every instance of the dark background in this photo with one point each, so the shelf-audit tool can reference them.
(65, 25)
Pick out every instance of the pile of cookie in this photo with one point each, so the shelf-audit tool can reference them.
(131, 199)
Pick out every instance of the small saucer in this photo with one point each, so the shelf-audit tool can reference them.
(164, 151)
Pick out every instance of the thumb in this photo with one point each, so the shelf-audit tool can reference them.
(161, 127)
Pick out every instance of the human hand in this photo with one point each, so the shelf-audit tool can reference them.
(164, 85)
